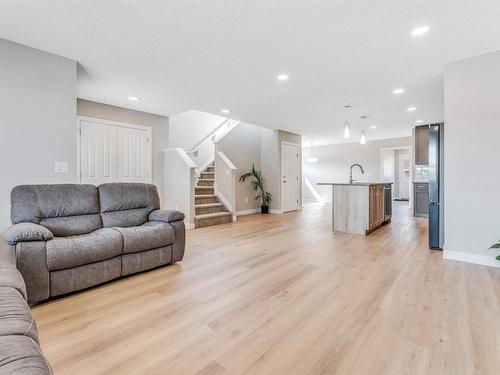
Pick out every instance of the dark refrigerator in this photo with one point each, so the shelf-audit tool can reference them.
(436, 191)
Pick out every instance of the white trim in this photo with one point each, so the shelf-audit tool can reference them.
(207, 137)
(205, 166)
(281, 174)
(248, 212)
(484, 260)
(226, 160)
(275, 211)
(79, 119)
(224, 200)
(185, 157)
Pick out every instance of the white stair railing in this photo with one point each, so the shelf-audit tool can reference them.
(225, 182)
(180, 180)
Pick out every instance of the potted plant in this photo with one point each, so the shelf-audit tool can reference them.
(494, 247)
(258, 185)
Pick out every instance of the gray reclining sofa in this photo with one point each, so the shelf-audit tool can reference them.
(71, 237)
(20, 352)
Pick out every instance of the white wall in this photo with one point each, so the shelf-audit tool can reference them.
(334, 162)
(188, 128)
(37, 122)
(158, 124)
(471, 158)
(242, 146)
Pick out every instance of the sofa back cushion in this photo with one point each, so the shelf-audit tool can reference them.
(64, 209)
(127, 204)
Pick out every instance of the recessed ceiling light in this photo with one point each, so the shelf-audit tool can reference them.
(283, 77)
(133, 98)
(373, 127)
(363, 117)
(411, 109)
(420, 30)
(346, 107)
(224, 110)
(419, 121)
(398, 91)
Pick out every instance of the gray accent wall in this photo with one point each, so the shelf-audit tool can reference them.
(471, 158)
(159, 125)
(37, 122)
(242, 146)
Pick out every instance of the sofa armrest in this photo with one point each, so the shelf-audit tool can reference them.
(24, 232)
(167, 216)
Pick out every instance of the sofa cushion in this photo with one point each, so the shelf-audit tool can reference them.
(64, 209)
(15, 315)
(68, 252)
(21, 355)
(127, 204)
(24, 232)
(11, 277)
(148, 236)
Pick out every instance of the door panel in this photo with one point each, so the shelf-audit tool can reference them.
(133, 155)
(113, 153)
(290, 176)
(97, 153)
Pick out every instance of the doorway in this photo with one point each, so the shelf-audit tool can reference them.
(402, 187)
(290, 176)
(396, 168)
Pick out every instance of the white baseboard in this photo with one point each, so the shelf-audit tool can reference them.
(275, 211)
(248, 212)
(484, 260)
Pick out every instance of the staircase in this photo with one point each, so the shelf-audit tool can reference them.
(208, 210)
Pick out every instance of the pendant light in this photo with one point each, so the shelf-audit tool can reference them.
(311, 158)
(347, 128)
(362, 139)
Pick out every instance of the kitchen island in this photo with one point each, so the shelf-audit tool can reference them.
(360, 207)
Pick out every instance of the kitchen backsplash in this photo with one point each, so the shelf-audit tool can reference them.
(421, 173)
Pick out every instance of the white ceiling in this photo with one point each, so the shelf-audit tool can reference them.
(214, 55)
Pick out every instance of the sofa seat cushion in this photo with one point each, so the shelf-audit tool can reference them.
(11, 277)
(69, 252)
(15, 315)
(151, 235)
(21, 355)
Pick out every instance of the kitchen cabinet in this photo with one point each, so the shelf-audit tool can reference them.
(422, 145)
(376, 209)
(420, 199)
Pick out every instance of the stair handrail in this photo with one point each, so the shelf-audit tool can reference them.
(208, 137)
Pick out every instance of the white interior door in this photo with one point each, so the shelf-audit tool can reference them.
(290, 176)
(97, 153)
(113, 152)
(404, 176)
(134, 157)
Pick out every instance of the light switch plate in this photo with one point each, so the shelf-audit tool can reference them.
(61, 167)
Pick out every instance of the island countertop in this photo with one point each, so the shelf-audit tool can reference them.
(360, 183)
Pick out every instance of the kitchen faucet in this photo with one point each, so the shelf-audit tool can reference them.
(350, 175)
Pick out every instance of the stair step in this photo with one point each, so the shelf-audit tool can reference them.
(206, 205)
(206, 182)
(205, 199)
(208, 208)
(207, 220)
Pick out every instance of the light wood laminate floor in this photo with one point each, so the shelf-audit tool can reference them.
(283, 294)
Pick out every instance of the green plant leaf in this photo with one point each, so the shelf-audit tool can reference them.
(495, 246)
(498, 257)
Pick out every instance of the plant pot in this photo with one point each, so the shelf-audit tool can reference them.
(264, 209)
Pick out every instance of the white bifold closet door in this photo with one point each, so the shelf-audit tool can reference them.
(114, 153)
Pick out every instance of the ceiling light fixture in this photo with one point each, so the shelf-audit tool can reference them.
(311, 158)
(411, 109)
(224, 111)
(347, 128)
(283, 77)
(420, 30)
(398, 91)
(373, 127)
(133, 98)
(346, 107)
(419, 121)
(362, 139)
